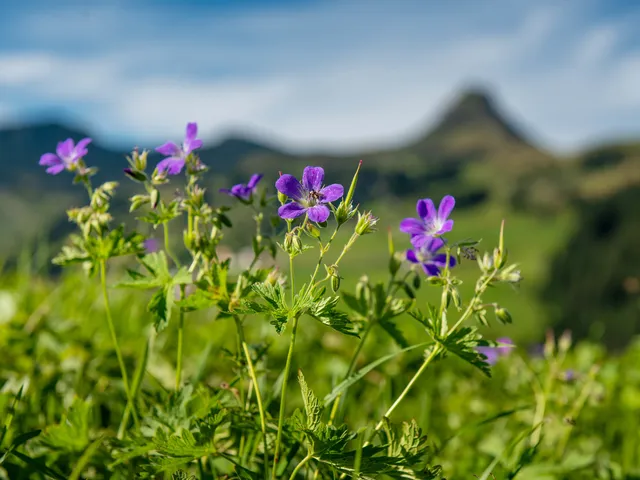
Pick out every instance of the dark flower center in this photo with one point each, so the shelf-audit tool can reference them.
(313, 198)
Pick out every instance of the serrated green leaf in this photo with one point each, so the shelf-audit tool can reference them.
(312, 405)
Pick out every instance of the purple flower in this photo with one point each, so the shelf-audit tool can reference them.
(242, 191)
(150, 245)
(67, 154)
(177, 155)
(569, 375)
(310, 197)
(494, 353)
(431, 222)
(427, 255)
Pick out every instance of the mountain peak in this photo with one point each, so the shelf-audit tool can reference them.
(473, 108)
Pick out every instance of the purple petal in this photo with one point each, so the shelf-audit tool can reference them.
(446, 227)
(490, 353)
(332, 192)
(226, 190)
(291, 210)
(50, 159)
(171, 165)
(312, 178)
(170, 149)
(434, 244)
(319, 213)
(191, 145)
(504, 350)
(440, 260)
(446, 207)
(411, 256)
(192, 131)
(420, 240)
(151, 245)
(253, 181)
(431, 269)
(426, 210)
(290, 186)
(55, 169)
(65, 149)
(81, 147)
(412, 226)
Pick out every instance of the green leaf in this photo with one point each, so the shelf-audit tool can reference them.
(463, 343)
(342, 386)
(72, 433)
(160, 306)
(18, 441)
(324, 310)
(85, 459)
(312, 406)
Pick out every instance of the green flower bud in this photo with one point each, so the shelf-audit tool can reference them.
(138, 201)
(503, 315)
(366, 223)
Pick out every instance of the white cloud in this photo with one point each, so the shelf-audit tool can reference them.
(329, 74)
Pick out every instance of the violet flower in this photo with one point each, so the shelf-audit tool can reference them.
(431, 222)
(310, 197)
(150, 245)
(67, 154)
(241, 191)
(177, 156)
(427, 255)
(493, 354)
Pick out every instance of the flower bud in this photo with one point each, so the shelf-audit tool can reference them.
(292, 244)
(312, 230)
(141, 160)
(344, 212)
(366, 223)
(138, 201)
(135, 175)
(154, 197)
(335, 279)
(549, 344)
(363, 290)
(564, 342)
(503, 315)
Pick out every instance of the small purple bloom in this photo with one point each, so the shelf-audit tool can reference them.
(67, 154)
(569, 375)
(242, 191)
(431, 222)
(151, 245)
(493, 354)
(310, 197)
(177, 155)
(427, 255)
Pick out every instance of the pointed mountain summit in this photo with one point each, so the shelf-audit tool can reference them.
(477, 108)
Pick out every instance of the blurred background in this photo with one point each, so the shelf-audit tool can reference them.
(527, 111)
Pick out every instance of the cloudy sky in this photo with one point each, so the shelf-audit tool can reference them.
(332, 74)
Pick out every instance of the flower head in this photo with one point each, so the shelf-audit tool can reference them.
(242, 191)
(176, 156)
(67, 154)
(431, 222)
(427, 255)
(150, 245)
(493, 354)
(308, 197)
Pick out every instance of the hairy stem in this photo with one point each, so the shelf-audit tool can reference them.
(263, 422)
(116, 345)
(180, 343)
(302, 463)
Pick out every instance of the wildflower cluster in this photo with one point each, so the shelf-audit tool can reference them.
(236, 429)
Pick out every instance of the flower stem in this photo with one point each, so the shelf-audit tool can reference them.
(302, 463)
(287, 369)
(352, 364)
(180, 343)
(263, 423)
(167, 248)
(423, 367)
(116, 345)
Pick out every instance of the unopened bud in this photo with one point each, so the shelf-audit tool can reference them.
(135, 175)
(549, 344)
(138, 201)
(335, 280)
(363, 290)
(366, 223)
(312, 230)
(564, 342)
(503, 315)
(154, 197)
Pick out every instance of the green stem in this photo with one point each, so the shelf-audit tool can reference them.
(180, 343)
(302, 463)
(263, 422)
(167, 247)
(114, 339)
(347, 247)
(352, 365)
(283, 393)
(423, 367)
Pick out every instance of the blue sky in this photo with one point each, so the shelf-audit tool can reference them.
(335, 75)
